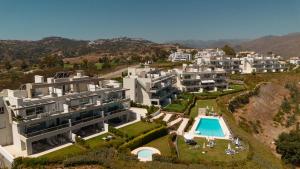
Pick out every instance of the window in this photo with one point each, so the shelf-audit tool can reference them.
(1, 110)
(30, 111)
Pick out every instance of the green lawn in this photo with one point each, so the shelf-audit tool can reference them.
(162, 145)
(74, 149)
(180, 104)
(99, 65)
(189, 153)
(67, 65)
(235, 88)
(139, 128)
(203, 104)
(69, 151)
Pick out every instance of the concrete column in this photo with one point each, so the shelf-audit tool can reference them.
(105, 127)
(28, 147)
(215, 89)
(201, 90)
(70, 132)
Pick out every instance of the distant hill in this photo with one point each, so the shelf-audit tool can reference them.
(207, 44)
(285, 45)
(70, 48)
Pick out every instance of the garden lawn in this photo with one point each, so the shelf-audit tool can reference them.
(180, 104)
(68, 66)
(203, 104)
(99, 66)
(63, 153)
(234, 89)
(162, 145)
(192, 154)
(139, 128)
(75, 149)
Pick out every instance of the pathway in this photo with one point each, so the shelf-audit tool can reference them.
(182, 126)
(174, 122)
(157, 116)
(167, 117)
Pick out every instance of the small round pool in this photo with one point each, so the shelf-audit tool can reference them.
(145, 153)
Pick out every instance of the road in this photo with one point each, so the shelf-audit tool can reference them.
(117, 73)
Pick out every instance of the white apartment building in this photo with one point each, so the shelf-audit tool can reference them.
(51, 112)
(180, 57)
(210, 53)
(149, 86)
(262, 64)
(197, 78)
(294, 60)
(229, 64)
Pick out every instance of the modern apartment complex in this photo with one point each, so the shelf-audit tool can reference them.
(229, 64)
(180, 57)
(199, 78)
(209, 53)
(51, 112)
(149, 86)
(262, 64)
(294, 60)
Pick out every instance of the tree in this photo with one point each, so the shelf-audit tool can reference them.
(24, 65)
(288, 145)
(7, 65)
(229, 50)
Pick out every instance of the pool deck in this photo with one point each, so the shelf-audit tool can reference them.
(154, 150)
(227, 134)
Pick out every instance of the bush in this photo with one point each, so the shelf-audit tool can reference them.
(145, 138)
(243, 99)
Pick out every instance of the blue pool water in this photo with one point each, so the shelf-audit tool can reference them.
(146, 153)
(209, 127)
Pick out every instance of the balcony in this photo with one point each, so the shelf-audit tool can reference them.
(46, 130)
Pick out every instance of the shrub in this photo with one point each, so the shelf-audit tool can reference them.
(145, 138)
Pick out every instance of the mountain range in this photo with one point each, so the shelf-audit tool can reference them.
(284, 45)
(127, 48)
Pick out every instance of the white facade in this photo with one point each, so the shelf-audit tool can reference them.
(49, 113)
(229, 64)
(149, 86)
(180, 57)
(262, 64)
(210, 53)
(294, 60)
(196, 78)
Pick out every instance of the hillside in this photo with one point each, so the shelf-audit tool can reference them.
(285, 45)
(70, 48)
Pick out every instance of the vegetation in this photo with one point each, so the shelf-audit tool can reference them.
(229, 50)
(190, 153)
(138, 128)
(288, 145)
(145, 138)
(180, 104)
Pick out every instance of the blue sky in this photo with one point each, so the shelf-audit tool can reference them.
(157, 20)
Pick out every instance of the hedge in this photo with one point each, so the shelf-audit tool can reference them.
(145, 138)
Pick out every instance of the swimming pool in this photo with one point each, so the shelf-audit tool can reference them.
(209, 127)
(146, 153)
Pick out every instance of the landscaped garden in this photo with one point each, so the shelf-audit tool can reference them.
(180, 104)
(162, 145)
(210, 103)
(197, 153)
(139, 128)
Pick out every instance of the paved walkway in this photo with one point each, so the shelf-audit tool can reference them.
(157, 116)
(182, 126)
(167, 117)
(174, 122)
